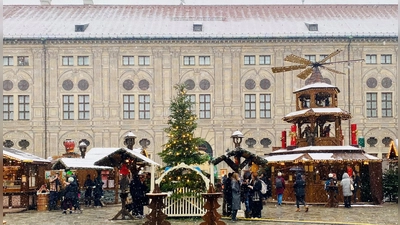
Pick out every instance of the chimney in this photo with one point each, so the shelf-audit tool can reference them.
(45, 2)
(88, 2)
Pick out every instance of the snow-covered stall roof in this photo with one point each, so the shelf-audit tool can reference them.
(318, 85)
(283, 158)
(316, 111)
(78, 163)
(22, 156)
(217, 21)
(106, 159)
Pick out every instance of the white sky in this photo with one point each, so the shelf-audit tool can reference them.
(200, 2)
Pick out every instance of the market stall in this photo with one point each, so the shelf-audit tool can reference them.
(23, 175)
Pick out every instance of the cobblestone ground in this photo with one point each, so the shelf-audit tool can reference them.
(285, 214)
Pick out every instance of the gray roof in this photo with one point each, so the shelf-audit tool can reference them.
(222, 21)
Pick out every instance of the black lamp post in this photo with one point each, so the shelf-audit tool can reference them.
(237, 137)
(130, 140)
(82, 148)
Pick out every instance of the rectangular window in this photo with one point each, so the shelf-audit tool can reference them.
(83, 60)
(321, 57)
(8, 61)
(387, 104)
(144, 60)
(265, 106)
(372, 103)
(8, 107)
(250, 106)
(129, 107)
(192, 99)
(188, 60)
(312, 58)
(370, 59)
(386, 59)
(204, 106)
(83, 107)
(265, 60)
(128, 60)
(23, 61)
(67, 60)
(204, 60)
(249, 60)
(23, 107)
(68, 107)
(144, 107)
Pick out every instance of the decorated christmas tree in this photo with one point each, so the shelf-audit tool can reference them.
(182, 146)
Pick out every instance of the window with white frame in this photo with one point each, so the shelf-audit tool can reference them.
(67, 60)
(192, 99)
(265, 106)
(204, 60)
(128, 60)
(83, 60)
(144, 107)
(83, 107)
(204, 106)
(312, 58)
(8, 107)
(265, 60)
(8, 61)
(23, 60)
(387, 106)
(386, 59)
(250, 106)
(321, 57)
(370, 59)
(249, 60)
(68, 107)
(144, 60)
(188, 60)
(23, 107)
(129, 106)
(372, 104)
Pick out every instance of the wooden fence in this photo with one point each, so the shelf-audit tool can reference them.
(185, 206)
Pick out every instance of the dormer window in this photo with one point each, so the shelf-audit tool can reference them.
(81, 27)
(197, 27)
(312, 26)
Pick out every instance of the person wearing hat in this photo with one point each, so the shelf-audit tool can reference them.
(55, 185)
(70, 196)
(280, 187)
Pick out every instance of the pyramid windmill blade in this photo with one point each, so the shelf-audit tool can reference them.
(330, 56)
(305, 73)
(332, 70)
(297, 59)
(287, 68)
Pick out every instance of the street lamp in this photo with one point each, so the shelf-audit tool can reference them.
(82, 148)
(130, 140)
(237, 137)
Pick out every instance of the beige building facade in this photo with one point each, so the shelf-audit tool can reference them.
(98, 89)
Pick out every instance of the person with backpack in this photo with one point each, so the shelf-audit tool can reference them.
(256, 198)
(300, 192)
(280, 187)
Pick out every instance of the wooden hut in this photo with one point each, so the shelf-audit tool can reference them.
(23, 174)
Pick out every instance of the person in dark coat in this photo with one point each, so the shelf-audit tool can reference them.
(357, 182)
(300, 192)
(88, 185)
(346, 188)
(235, 195)
(55, 185)
(256, 196)
(245, 193)
(280, 190)
(98, 191)
(70, 195)
(136, 189)
(227, 201)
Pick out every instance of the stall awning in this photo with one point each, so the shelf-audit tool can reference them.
(77, 163)
(112, 156)
(284, 158)
(22, 156)
(334, 156)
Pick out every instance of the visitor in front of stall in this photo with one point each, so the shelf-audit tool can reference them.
(300, 192)
(70, 195)
(346, 188)
(98, 192)
(256, 196)
(356, 185)
(227, 200)
(280, 187)
(245, 193)
(55, 185)
(137, 191)
(77, 205)
(88, 185)
(235, 195)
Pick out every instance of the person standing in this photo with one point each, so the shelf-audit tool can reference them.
(70, 195)
(88, 185)
(256, 197)
(300, 191)
(235, 196)
(280, 187)
(55, 185)
(346, 188)
(356, 185)
(245, 193)
(227, 201)
(136, 190)
(98, 191)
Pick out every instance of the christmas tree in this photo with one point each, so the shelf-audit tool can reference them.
(182, 146)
